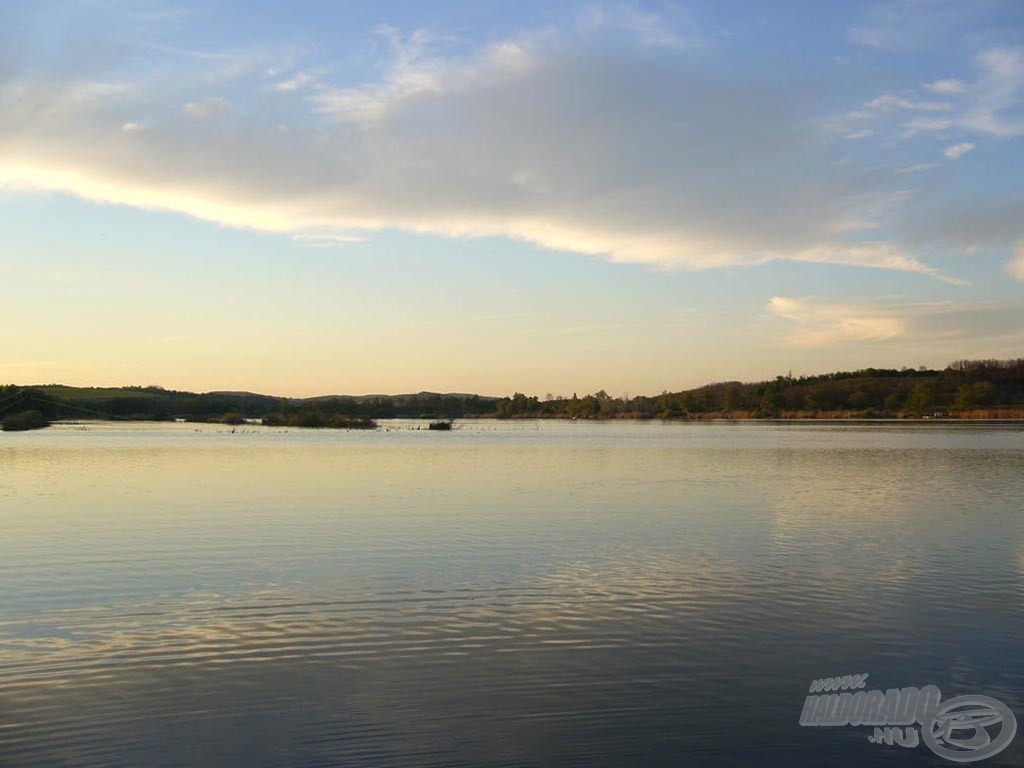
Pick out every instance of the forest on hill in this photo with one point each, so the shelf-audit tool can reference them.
(153, 403)
(964, 389)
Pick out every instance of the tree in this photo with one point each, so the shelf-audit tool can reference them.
(771, 403)
(965, 398)
(921, 399)
(894, 401)
(733, 397)
(985, 392)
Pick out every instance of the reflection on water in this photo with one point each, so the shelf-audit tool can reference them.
(502, 594)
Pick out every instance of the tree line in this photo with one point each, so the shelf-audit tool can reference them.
(964, 388)
(152, 403)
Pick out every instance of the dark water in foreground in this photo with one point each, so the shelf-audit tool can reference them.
(502, 594)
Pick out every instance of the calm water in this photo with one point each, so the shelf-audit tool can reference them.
(524, 594)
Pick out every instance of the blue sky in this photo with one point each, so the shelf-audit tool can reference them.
(393, 196)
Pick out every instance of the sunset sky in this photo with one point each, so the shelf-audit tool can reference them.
(343, 197)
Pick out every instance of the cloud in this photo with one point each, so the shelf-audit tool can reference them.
(910, 25)
(1016, 266)
(966, 221)
(996, 92)
(849, 124)
(298, 82)
(926, 124)
(880, 255)
(881, 27)
(958, 150)
(652, 29)
(328, 239)
(915, 168)
(602, 146)
(854, 124)
(989, 105)
(207, 108)
(992, 101)
(823, 323)
(819, 323)
(946, 86)
(889, 101)
(415, 70)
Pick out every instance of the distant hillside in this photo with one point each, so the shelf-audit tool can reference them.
(964, 389)
(72, 394)
(152, 403)
(418, 396)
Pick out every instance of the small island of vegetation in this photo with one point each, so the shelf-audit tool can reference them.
(316, 419)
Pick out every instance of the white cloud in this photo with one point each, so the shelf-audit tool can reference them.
(298, 82)
(657, 30)
(880, 255)
(208, 108)
(871, 211)
(915, 168)
(926, 124)
(816, 322)
(889, 101)
(958, 150)
(131, 127)
(910, 25)
(946, 86)
(849, 123)
(1016, 266)
(989, 105)
(855, 123)
(820, 323)
(612, 150)
(414, 71)
(992, 102)
(997, 92)
(328, 239)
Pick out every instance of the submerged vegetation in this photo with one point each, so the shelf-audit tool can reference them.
(964, 389)
(314, 418)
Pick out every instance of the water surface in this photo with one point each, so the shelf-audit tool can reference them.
(520, 594)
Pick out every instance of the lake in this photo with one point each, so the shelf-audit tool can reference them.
(504, 594)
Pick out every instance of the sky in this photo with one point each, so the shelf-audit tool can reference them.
(339, 197)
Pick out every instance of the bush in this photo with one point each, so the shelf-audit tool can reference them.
(233, 417)
(20, 422)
